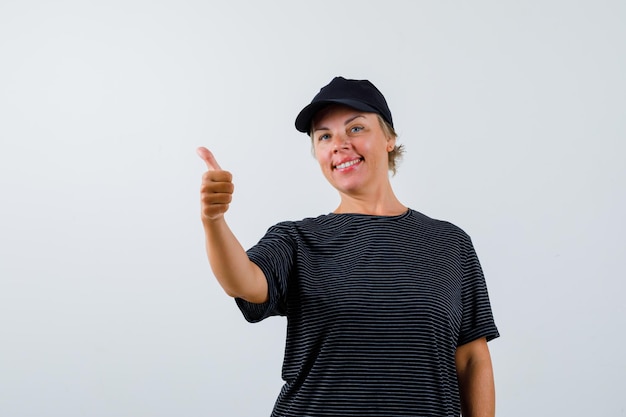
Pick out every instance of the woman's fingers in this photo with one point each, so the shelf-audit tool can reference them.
(217, 188)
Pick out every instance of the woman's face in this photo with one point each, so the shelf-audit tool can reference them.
(351, 149)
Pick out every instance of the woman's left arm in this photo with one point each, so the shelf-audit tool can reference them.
(476, 384)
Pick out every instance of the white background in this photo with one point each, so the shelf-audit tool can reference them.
(513, 116)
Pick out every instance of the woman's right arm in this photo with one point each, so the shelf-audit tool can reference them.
(238, 276)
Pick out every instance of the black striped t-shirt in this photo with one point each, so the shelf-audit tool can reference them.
(376, 307)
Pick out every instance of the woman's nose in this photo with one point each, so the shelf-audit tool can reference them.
(341, 142)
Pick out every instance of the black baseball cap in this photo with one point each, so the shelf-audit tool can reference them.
(358, 94)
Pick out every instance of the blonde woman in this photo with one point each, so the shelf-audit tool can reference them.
(388, 311)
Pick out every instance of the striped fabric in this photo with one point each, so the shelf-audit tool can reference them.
(376, 307)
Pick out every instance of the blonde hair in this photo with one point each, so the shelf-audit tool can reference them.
(395, 155)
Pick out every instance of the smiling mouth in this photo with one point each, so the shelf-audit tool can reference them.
(348, 164)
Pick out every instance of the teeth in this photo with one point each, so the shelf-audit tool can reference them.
(347, 164)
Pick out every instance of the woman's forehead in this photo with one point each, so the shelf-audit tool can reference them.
(337, 111)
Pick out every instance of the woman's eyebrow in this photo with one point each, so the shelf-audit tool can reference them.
(351, 119)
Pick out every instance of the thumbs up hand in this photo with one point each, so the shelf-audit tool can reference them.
(217, 188)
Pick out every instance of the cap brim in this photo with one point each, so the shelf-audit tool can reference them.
(305, 117)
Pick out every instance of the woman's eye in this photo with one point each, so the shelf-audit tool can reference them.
(325, 136)
(356, 129)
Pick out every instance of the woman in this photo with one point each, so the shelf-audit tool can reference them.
(388, 312)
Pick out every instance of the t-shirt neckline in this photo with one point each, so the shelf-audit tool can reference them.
(373, 216)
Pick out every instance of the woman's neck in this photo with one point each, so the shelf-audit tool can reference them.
(386, 205)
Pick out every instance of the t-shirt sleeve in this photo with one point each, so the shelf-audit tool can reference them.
(477, 318)
(274, 254)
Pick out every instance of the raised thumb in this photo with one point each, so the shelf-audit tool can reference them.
(208, 159)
